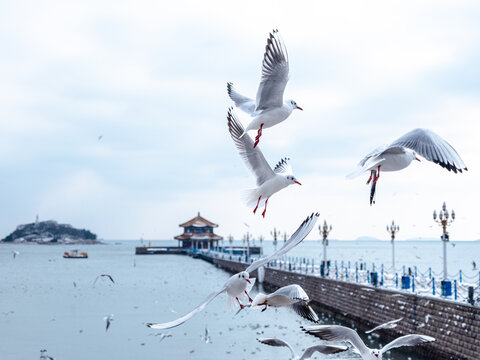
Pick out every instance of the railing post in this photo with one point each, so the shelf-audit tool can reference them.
(455, 288)
(396, 280)
(430, 273)
(415, 270)
(413, 284)
(356, 273)
(460, 275)
(433, 286)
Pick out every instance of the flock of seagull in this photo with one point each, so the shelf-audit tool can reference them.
(269, 109)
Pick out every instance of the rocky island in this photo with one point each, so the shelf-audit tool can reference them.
(50, 232)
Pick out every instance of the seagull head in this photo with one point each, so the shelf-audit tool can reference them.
(244, 275)
(413, 155)
(293, 180)
(377, 354)
(293, 105)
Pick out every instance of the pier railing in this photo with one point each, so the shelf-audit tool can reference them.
(460, 288)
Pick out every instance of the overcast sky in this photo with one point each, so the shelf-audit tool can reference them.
(150, 78)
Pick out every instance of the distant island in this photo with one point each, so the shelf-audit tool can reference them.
(50, 232)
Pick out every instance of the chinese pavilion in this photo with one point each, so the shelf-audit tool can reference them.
(198, 234)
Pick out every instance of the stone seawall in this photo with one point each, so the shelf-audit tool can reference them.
(455, 326)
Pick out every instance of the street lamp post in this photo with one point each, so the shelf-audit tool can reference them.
(324, 231)
(230, 241)
(275, 235)
(247, 238)
(261, 238)
(393, 229)
(444, 220)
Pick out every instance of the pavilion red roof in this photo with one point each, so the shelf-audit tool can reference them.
(198, 221)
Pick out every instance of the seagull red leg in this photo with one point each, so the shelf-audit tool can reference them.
(378, 175)
(241, 306)
(249, 298)
(265, 210)
(257, 138)
(258, 202)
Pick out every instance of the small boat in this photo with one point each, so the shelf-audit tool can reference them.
(74, 254)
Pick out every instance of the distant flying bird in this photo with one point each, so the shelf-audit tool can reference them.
(291, 295)
(206, 337)
(388, 325)
(323, 349)
(238, 285)
(474, 264)
(100, 137)
(268, 181)
(268, 109)
(15, 253)
(342, 333)
(108, 319)
(399, 154)
(104, 276)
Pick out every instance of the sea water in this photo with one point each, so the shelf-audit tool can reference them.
(48, 302)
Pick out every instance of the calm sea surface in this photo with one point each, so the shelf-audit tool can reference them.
(47, 302)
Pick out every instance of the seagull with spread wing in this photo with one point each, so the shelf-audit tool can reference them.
(104, 276)
(399, 154)
(388, 325)
(323, 349)
(268, 181)
(342, 333)
(268, 109)
(290, 295)
(238, 285)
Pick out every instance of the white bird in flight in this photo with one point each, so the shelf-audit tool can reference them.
(399, 154)
(238, 285)
(388, 325)
(108, 320)
(268, 181)
(323, 349)
(268, 109)
(104, 276)
(342, 333)
(15, 253)
(290, 295)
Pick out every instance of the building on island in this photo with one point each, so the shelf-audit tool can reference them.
(198, 234)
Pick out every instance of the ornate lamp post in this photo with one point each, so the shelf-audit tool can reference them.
(247, 238)
(285, 237)
(444, 220)
(393, 229)
(275, 235)
(230, 241)
(261, 238)
(324, 231)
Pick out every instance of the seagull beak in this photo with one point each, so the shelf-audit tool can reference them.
(299, 108)
(296, 182)
(248, 281)
(417, 159)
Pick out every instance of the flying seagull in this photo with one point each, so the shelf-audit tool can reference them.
(108, 319)
(206, 337)
(104, 276)
(388, 325)
(268, 181)
(342, 333)
(290, 295)
(268, 109)
(15, 253)
(323, 349)
(238, 285)
(399, 154)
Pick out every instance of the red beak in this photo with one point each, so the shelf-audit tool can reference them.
(297, 183)
(248, 281)
(417, 159)
(299, 108)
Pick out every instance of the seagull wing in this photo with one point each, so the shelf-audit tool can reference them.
(277, 342)
(301, 233)
(275, 74)
(294, 292)
(323, 349)
(337, 333)
(186, 317)
(387, 325)
(242, 102)
(283, 167)
(111, 279)
(407, 340)
(252, 157)
(304, 310)
(433, 148)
